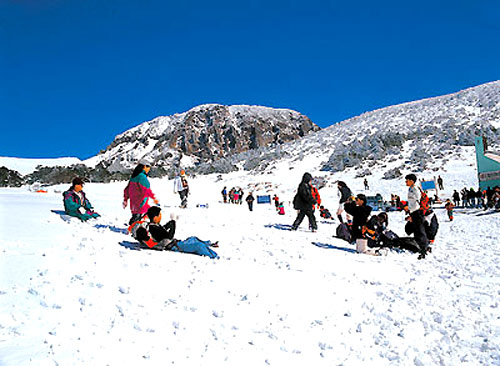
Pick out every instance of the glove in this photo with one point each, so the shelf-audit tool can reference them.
(81, 210)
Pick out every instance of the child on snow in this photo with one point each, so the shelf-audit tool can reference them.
(449, 209)
(281, 209)
(76, 203)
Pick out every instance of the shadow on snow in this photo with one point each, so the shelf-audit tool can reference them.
(330, 246)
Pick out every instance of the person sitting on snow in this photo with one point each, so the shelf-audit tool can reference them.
(360, 212)
(76, 203)
(149, 232)
(325, 213)
(374, 228)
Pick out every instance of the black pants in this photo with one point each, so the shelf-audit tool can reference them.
(134, 218)
(183, 195)
(250, 206)
(416, 227)
(300, 217)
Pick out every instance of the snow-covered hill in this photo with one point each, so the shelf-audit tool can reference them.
(203, 133)
(417, 136)
(26, 166)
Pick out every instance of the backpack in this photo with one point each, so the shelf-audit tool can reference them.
(343, 232)
(425, 205)
(296, 201)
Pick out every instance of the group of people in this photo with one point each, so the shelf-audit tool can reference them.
(421, 221)
(235, 195)
(145, 222)
(353, 211)
(470, 198)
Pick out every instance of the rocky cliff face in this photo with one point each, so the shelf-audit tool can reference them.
(204, 133)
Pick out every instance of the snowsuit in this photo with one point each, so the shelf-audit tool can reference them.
(181, 187)
(304, 202)
(360, 216)
(77, 206)
(138, 191)
(449, 209)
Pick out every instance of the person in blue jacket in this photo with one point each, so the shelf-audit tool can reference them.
(76, 203)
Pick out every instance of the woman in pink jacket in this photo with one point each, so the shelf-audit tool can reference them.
(138, 191)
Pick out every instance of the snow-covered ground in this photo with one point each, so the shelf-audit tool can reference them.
(75, 293)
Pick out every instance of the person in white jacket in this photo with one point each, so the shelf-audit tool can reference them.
(415, 218)
(182, 188)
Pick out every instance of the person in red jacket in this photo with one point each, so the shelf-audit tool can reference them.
(138, 191)
(449, 209)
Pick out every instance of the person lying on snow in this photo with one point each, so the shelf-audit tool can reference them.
(149, 232)
(325, 213)
(76, 203)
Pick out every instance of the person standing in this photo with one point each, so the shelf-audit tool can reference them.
(456, 198)
(365, 182)
(345, 195)
(449, 209)
(224, 194)
(138, 191)
(303, 202)
(182, 188)
(250, 200)
(415, 224)
(440, 182)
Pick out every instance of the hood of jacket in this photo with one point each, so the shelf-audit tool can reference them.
(306, 178)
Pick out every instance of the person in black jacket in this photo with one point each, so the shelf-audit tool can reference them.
(360, 213)
(304, 202)
(345, 195)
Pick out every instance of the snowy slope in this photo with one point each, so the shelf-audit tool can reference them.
(27, 166)
(79, 294)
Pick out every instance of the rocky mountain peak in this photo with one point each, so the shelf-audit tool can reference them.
(205, 133)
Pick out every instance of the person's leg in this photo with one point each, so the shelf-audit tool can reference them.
(312, 220)
(134, 218)
(298, 220)
(196, 246)
(419, 232)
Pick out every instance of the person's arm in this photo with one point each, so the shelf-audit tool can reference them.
(126, 195)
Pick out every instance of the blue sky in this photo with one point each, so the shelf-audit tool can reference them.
(75, 73)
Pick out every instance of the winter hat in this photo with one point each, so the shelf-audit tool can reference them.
(145, 162)
(183, 173)
(306, 178)
(153, 212)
